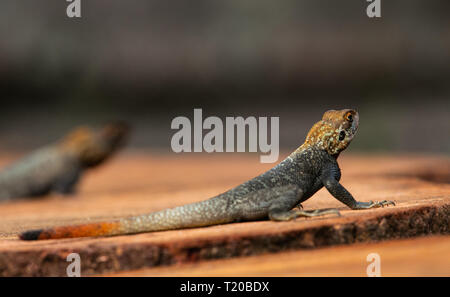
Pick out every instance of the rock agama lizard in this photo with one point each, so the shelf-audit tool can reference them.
(58, 167)
(273, 194)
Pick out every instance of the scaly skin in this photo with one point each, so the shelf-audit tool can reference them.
(273, 194)
(58, 167)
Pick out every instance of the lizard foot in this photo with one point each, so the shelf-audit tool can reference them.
(295, 213)
(371, 204)
(318, 212)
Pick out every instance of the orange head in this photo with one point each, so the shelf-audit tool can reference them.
(334, 132)
(91, 146)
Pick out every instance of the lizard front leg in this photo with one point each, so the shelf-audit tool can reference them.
(341, 194)
(287, 198)
(299, 206)
(66, 183)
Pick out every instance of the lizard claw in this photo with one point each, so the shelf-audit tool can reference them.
(371, 204)
(382, 203)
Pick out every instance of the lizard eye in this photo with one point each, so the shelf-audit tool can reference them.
(349, 117)
(342, 135)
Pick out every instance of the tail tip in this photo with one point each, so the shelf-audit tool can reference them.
(31, 235)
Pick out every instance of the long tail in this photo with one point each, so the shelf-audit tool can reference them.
(210, 212)
(86, 230)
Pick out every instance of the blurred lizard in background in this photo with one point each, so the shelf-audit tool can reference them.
(58, 167)
(275, 194)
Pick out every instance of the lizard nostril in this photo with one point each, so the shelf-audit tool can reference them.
(341, 136)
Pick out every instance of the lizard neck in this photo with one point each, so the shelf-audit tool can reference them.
(307, 147)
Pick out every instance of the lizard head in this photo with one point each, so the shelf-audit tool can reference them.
(93, 146)
(334, 132)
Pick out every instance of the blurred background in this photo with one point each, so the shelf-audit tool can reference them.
(148, 61)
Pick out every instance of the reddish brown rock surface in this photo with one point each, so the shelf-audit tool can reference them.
(136, 183)
(424, 256)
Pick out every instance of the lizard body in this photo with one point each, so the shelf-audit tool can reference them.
(273, 194)
(58, 167)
